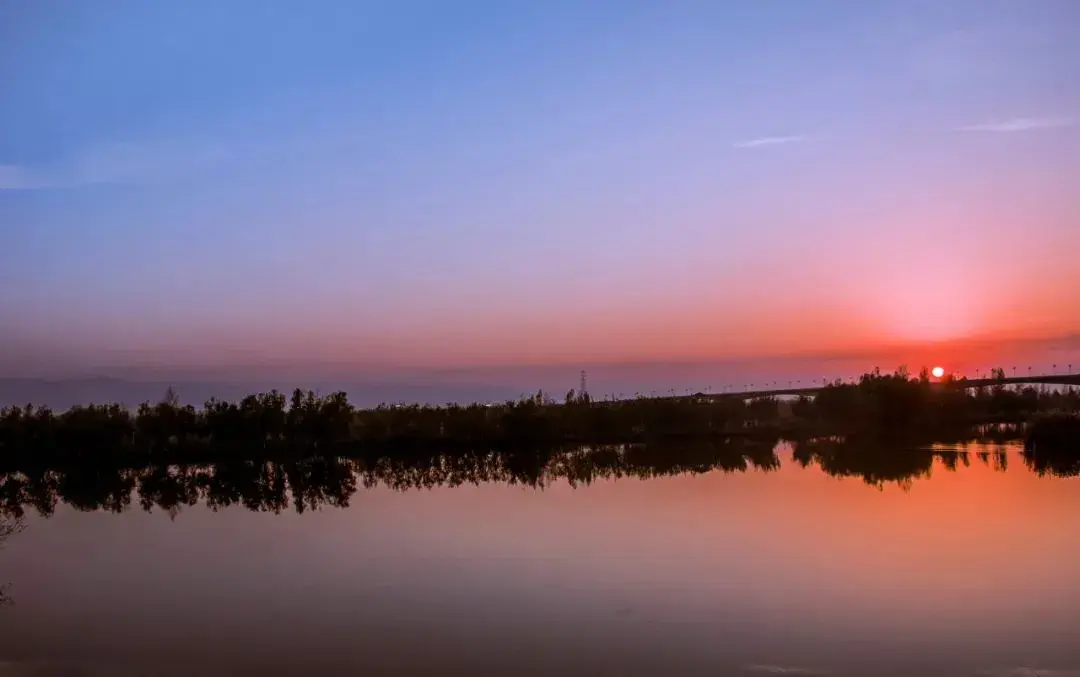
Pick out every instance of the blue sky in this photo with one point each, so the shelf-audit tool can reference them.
(455, 183)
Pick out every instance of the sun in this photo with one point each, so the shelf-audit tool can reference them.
(938, 372)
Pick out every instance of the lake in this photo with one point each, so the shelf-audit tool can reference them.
(951, 563)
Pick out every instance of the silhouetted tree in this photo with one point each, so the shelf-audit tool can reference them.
(265, 425)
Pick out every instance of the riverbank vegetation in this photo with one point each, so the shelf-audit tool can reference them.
(885, 405)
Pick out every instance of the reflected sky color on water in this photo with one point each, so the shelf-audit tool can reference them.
(788, 571)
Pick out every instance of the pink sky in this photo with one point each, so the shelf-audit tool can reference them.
(569, 184)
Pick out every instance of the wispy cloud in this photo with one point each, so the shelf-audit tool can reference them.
(1021, 125)
(767, 141)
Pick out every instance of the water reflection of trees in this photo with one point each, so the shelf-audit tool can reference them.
(880, 463)
(303, 483)
(1052, 445)
(1054, 461)
(875, 463)
(9, 526)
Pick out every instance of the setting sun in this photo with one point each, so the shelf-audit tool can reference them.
(938, 372)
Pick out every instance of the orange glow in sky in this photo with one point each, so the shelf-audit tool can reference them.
(568, 201)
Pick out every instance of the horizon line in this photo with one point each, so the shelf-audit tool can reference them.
(384, 369)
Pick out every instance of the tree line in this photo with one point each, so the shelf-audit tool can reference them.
(268, 423)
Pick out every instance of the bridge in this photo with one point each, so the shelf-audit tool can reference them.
(966, 383)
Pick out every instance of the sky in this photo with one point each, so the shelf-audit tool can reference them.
(407, 185)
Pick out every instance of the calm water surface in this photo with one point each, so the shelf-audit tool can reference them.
(972, 571)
